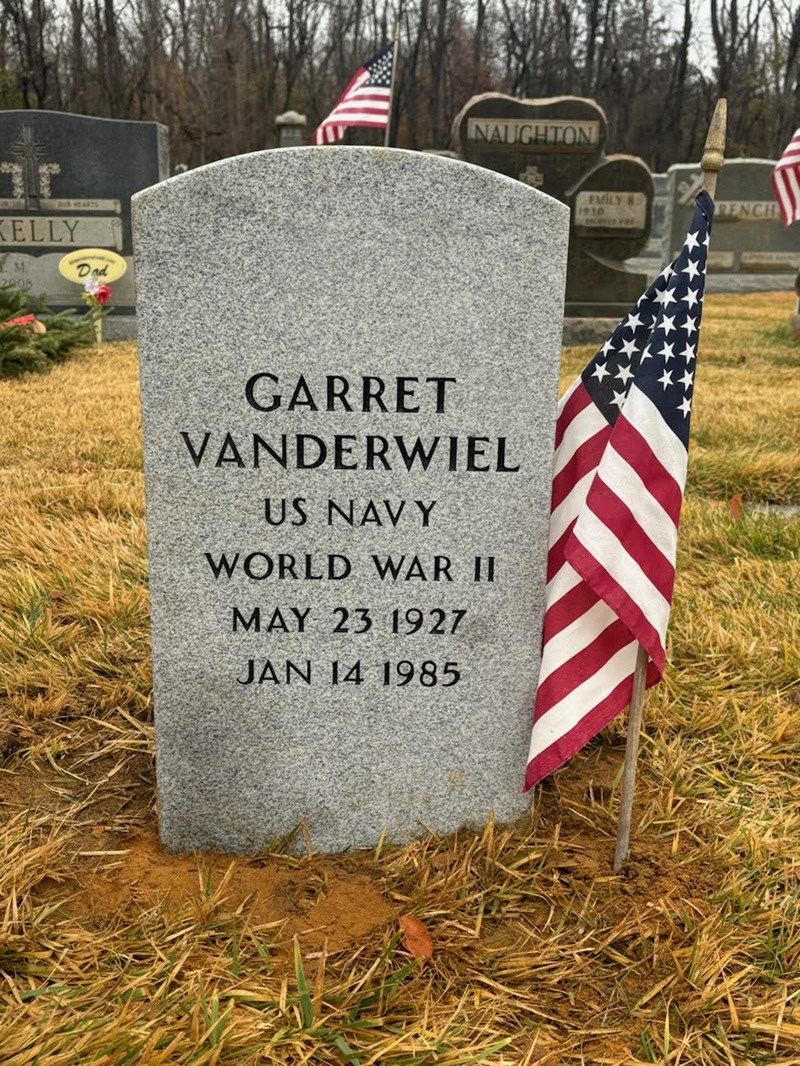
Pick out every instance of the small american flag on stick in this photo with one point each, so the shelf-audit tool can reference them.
(786, 181)
(365, 102)
(622, 439)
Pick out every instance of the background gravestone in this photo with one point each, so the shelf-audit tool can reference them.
(66, 183)
(365, 435)
(557, 145)
(652, 249)
(749, 236)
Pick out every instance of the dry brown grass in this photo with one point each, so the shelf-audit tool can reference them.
(113, 952)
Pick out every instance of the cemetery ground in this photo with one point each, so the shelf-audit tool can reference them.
(113, 951)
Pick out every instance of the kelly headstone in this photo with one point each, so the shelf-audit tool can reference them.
(749, 236)
(557, 145)
(349, 364)
(66, 183)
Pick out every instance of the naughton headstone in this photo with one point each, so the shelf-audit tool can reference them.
(557, 145)
(65, 183)
(349, 363)
(749, 236)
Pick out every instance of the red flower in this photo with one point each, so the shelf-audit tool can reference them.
(20, 320)
(103, 294)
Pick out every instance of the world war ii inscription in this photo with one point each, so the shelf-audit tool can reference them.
(348, 477)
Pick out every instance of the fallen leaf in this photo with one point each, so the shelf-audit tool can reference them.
(416, 938)
(735, 506)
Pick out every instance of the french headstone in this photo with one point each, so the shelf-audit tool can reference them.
(349, 364)
(557, 145)
(749, 236)
(66, 183)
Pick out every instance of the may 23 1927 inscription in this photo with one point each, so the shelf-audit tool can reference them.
(349, 371)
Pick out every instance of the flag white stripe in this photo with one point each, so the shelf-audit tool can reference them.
(569, 712)
(359, 118)
(600, 542)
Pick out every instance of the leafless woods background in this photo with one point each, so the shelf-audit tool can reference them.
(217, 72)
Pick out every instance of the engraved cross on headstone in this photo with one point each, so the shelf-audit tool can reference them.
(30, 176)
(532, 176)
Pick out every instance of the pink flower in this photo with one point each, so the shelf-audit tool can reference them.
(102, 294)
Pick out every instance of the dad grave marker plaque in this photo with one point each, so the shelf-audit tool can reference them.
(556, 145)
(349, 363)
(749, 236)
(66, 183)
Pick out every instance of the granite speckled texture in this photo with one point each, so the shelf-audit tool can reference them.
(275, 290)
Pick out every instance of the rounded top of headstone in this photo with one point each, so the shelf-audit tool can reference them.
(310, 169)
(291, 118)
(443, 152)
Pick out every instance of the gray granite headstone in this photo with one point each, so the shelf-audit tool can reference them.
(749, 236)
(349, 362)
(557, 145)
(65, 183)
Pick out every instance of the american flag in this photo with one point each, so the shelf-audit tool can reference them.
(786, 181)
(365, 101)
(622, 439)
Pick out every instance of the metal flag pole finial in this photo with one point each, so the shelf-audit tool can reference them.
(711, 164)
(387, 140)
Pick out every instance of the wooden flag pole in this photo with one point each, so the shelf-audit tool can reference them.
(395, 52)
(711, 164)
(635, 713)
